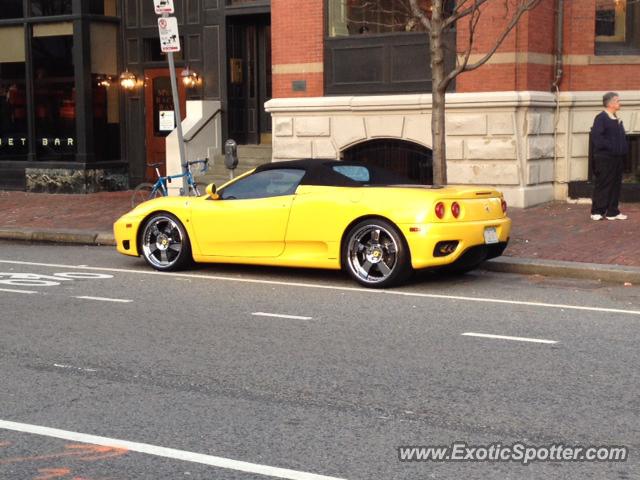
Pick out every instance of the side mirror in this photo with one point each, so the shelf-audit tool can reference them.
(211, 191)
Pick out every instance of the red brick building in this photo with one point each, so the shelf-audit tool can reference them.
(351, 79)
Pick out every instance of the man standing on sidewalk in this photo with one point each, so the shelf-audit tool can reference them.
(609, 150)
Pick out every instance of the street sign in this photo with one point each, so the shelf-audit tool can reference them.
(163, 6)
(169, 36)
(170, 43)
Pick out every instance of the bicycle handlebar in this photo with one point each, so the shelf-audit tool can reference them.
(205, 162)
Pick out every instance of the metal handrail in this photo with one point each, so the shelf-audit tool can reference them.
(191, 136)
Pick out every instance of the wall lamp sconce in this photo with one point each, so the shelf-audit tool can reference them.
(190, 78)
(105, 81)
(128, 80)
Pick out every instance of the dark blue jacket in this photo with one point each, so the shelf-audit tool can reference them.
(608, 136)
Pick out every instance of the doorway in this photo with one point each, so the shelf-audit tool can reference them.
(249, 78)
(160, 117)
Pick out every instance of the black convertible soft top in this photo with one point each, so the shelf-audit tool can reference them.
(325, 173)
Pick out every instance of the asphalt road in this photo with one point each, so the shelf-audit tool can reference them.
(303, 371)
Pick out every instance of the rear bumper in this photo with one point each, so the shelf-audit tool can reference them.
(473, 256)
(471, 247)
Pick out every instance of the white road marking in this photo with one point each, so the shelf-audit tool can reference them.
(337, 288)
(505, 337)
(71, 367)
(186, 456)
(9, 290)
(277, 315)
(103, 299)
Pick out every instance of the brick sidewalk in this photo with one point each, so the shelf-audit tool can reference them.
(96, 211)
(561, 231)
(555, 231)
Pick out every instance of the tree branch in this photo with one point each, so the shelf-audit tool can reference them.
(522, 9)
(474, 18)
(458, 14)
(420, 15)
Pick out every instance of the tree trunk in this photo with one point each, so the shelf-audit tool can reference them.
(436, 46)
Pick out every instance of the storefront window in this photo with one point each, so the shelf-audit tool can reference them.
(13, 105)
(105, 91)
(44, 8)
(54, 91)
(11, 9)
(611, 20)
(364, 17)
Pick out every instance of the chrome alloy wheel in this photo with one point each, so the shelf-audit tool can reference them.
(162, 242)
(372, 253)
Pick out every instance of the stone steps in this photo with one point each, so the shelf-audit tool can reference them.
(249, 157)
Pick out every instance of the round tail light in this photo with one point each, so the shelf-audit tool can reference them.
(504, 206)
(455, 209)
(440, 210)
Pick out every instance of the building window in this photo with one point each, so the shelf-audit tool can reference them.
(108, 8)
(365, 17)
(55, 93)
(105, 91)
(45, 8)
(241, 3)
(611, 20)
(11, 9)
(617, 28)
(13, 105)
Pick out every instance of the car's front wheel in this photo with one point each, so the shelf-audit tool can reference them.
(164, 243)
(375, 255)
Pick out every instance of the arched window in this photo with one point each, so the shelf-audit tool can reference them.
(406, 158)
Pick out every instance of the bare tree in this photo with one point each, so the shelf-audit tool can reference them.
(437, 23)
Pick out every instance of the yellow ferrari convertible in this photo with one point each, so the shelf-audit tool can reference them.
(322, 214)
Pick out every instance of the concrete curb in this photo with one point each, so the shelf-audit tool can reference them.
(78, 237)
(556, 268)
(527, 266)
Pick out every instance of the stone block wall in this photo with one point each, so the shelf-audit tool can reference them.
(505, 139)
(528, 144)
(62, 180)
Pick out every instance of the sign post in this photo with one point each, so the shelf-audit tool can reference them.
(170, 43)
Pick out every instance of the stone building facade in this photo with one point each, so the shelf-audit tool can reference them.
(507, 124)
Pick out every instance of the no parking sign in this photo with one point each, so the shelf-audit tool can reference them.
(169, 36)
(163, 6)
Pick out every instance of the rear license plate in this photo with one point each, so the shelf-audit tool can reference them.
(490, 235)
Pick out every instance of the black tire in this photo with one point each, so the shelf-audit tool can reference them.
(164, 243)
(142, 193)
(375, 254)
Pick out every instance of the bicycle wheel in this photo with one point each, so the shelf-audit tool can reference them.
(198, 188)
(142, 193)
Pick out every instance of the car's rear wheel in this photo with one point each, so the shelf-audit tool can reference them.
(164, 243)
(375, 255)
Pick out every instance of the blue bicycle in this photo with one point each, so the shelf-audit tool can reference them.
(148, 191)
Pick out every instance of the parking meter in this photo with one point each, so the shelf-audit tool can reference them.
(231, 154)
